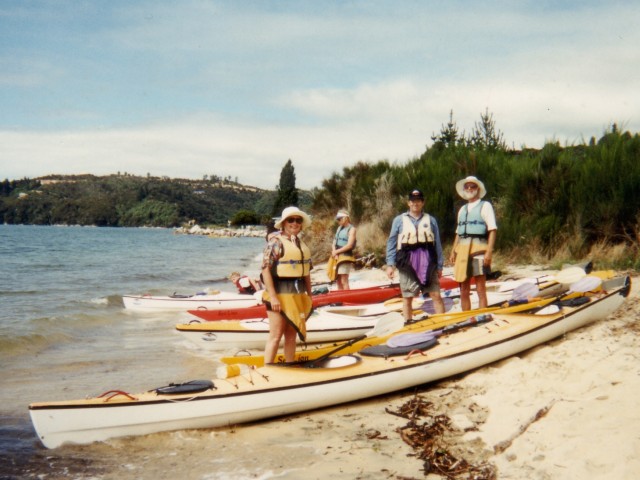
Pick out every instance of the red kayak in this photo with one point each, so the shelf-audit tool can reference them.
(357, 296)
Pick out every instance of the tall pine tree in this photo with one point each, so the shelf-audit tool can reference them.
(287, 191)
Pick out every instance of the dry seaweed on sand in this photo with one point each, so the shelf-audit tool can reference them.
(427, 433)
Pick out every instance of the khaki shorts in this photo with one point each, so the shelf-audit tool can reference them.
(345, 268)
(410, 286)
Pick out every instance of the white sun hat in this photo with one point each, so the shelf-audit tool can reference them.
(293, 212)
(470, 179)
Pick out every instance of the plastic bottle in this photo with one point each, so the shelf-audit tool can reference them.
(234, 370)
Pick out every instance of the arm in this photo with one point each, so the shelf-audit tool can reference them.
(436, 234)
(489, 216)
(488, 255)
(392, 245)
(270, 256)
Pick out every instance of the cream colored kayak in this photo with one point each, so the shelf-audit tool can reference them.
(274, 390)
(326, 324)
(447, 321)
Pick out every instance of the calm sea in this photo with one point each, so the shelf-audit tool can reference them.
(64, 333)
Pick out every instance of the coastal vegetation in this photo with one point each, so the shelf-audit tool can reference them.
(559, 203)
(556, 204)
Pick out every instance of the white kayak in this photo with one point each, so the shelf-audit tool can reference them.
(326, 324)
(198, 301)
(276, 390)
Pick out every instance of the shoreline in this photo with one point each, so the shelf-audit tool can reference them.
(221, 232)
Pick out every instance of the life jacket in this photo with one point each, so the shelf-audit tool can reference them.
(244, 285)
(341, 239)
(295, 261)
(470, 222)
(415, 236)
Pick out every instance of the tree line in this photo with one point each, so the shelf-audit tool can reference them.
(123, 200)
(558, 199)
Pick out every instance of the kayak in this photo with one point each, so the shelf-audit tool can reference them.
(234, 306)
(326, 324)
(450, 320)
(366, 295)
(210, 301)
(276, 390)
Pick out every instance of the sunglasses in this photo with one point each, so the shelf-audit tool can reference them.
(297, 220)
(471, 186)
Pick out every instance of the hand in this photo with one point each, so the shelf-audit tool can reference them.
(390, 271)
(275, 304)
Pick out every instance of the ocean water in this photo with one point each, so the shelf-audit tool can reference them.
(65, 334)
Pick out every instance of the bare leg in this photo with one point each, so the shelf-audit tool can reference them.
(407, 308)
(481, 289)
(465, 295)
(343, 281)
(289, 342)
(438, 303)
(277, 326)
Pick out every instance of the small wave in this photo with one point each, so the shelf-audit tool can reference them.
(11, 293)
(31, 344)
(110, 301)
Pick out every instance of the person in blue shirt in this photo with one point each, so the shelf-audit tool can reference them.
(414, 248)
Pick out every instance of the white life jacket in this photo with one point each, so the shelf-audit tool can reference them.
(411, 234)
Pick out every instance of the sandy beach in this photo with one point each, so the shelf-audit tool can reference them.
(565, 410)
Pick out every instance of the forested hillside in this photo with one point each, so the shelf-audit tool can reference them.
(125, 200)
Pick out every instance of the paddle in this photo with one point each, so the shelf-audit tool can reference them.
(393, 321)
(585, 284)
(387, 324)
(407, 339)
(570, 275)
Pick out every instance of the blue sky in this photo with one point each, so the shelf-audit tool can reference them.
(236, 88)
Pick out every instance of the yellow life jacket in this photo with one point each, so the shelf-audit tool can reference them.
(410, 235)
(295, 261)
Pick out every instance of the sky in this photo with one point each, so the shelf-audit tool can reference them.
(233, 88)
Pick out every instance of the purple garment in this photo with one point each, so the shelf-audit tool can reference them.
(420, 264)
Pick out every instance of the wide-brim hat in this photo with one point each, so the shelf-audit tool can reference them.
(342, 214)
(293, 212)
(470, 179)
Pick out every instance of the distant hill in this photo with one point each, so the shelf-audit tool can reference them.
(127, 200)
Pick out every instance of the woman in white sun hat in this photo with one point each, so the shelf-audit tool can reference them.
(286, 274)
(472, 250)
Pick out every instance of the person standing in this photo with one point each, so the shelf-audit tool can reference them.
(286, 273)
(414, 248)
(344, 244)
(472, 250)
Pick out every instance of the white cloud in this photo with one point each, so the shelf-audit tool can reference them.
(239, 88)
